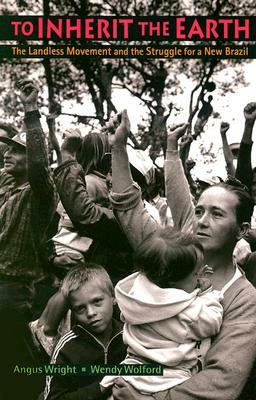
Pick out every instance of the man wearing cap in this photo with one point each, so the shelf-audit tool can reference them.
(6, 130)
(26, 209)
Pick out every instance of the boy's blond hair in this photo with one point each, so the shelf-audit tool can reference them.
(78, 276)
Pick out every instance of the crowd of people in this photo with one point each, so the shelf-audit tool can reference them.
(97, 267)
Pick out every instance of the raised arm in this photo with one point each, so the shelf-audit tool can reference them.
(39, 176)
(244, 165)
(122, 177)
(224, 127)
(177, 188)
(126, 197)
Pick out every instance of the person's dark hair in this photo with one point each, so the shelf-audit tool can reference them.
(244, 208)
(9, 129)
(167, 256)
(92, 151)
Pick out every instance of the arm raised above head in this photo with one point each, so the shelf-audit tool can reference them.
(126, 197)
(39, 175)
(177, 189)
(244, 165)
(224, 127)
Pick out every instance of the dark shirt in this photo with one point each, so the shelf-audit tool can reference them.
(7, 183)
(244, 165)
(79, 347)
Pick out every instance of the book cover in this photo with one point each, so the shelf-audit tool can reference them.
(166, 64)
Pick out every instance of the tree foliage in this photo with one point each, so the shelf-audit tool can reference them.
(70, 79)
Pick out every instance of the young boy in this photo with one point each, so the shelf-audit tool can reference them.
(96, 337)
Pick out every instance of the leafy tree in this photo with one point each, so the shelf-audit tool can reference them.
(152, 81)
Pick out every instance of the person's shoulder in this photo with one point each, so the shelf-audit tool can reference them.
(65, 343)
(96, 182)
(90, 178)
(6, 178)
(70, 335)
(243, 287)
(250, 268)
(241, 296)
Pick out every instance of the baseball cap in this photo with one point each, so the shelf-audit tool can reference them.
(208, 179)
(142, 162)
(19, 139)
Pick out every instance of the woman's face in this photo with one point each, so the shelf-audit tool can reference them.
(216, 223)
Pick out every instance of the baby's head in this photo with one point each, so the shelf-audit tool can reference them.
(91, 296)
(169, 256)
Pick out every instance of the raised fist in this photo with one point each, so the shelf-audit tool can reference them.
(250, 112)
(28, 94)
(224, 127)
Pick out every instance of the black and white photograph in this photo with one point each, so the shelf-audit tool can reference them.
(127, 201)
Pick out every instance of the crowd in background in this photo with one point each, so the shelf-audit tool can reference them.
(105, 260)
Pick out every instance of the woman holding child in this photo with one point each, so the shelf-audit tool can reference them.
(220, 218)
